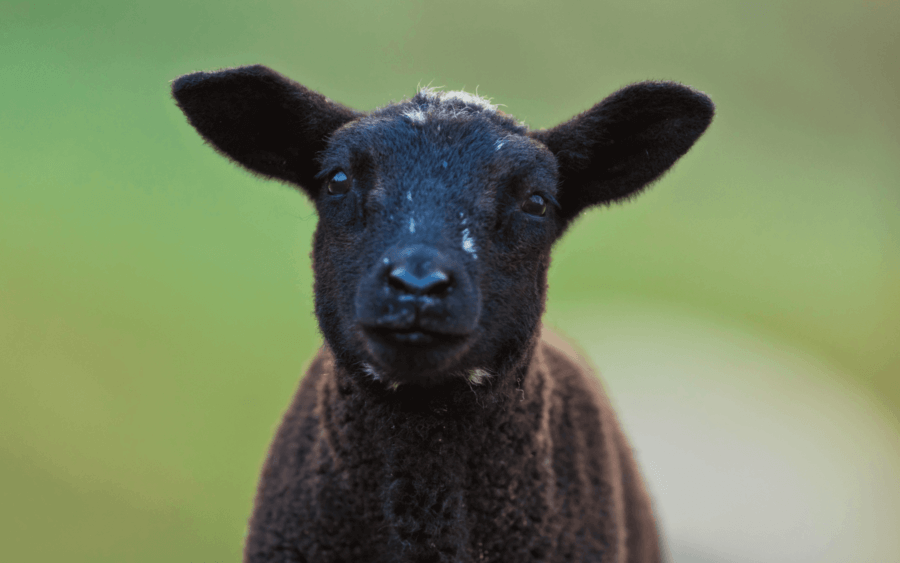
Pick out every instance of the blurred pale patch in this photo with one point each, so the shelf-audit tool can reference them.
(754, 451)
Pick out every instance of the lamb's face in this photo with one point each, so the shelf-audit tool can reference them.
(436, 215)
(436, 219)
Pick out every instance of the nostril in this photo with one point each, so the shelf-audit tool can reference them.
(434, 282)
(396, 278)
(439, 283)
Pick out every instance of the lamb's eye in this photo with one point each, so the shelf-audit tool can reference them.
(535, 205)
(340, 183)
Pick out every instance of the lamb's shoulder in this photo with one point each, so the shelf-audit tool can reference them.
(276, 523)
(313, 500)
(577, 389)
(592, 450)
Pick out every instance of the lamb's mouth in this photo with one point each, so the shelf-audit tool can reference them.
(414, 336)
(413, 354)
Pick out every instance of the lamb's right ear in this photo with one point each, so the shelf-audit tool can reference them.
(262, 120)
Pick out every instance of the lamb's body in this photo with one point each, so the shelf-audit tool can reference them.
(542, 473)
(436, 426)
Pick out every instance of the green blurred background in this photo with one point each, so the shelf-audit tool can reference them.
(155, 300)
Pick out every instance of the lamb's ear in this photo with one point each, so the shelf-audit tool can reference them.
(262, 120)
(625, 142)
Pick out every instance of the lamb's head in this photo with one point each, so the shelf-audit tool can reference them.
(435, 226)
(437, 214)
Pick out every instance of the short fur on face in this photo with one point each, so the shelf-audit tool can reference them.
(442, 185)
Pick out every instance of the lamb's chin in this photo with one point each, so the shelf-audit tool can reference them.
(415, 357)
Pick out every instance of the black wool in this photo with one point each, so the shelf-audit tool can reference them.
(438, 423)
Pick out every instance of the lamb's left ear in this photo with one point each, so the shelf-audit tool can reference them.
(262, 120)
(625, 142)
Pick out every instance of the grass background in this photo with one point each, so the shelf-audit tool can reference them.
(155, 300)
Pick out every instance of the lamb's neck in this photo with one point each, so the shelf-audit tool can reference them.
(413, 422)
(425, 444)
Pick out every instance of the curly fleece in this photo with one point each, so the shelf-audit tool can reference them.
(530, 470)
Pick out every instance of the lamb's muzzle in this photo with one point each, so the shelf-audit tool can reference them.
(417, 296)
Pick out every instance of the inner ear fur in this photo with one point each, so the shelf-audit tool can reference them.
(262, 120)
(625, 142)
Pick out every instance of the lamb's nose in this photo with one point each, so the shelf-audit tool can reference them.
(435, 282)
(420, 270)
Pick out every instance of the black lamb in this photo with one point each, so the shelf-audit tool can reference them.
(437, 423)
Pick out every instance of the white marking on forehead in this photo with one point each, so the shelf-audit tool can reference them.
(412, 225)
(409, 196)
(468, 243)
(415, 115)
(468, 99)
